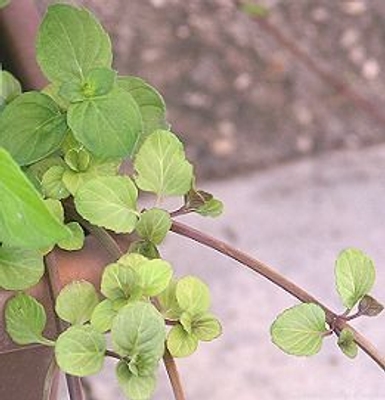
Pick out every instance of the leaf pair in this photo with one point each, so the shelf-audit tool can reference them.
(188, 301)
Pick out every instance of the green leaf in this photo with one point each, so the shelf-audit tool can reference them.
(4, 3)
(299, 330)
(97, 168)
(25, 320)
(135, 387)
(103, 315)
(76, 302)
(151, 105)
(355, 276)
(186, 321)
(347, 344)
(76, 240)
(255, 10)
(71, 43)
(139, 329)
(80, 350)
(180, 343)
(56, 208)
(78, 159)
(36, 171)
(154, 225)
(20, 268)
(118, 281)
(169, 306)
(162, 167)
(212, 208)
(25, 221)
(144, 248)
(10, 88)
(108, 126)
(109, 202)
(153, 276)
(369, 306)
(206, 327)
(52, 183)
(32, 127)
(192, 295)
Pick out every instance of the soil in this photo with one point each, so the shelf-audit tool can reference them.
(239, 99)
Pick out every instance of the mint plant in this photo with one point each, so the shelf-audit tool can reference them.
(60, 155)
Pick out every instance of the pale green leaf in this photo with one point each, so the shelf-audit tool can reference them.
(52, 183)
(76, 240)
(151, 105)
(144, 248)
(139, 329)
(206, 327)
(118, 281)
(10, 88)
(78, 159)
(169, 306)
(186, 321)
(20, 268)
(153, 276)
(99, 82)
(25, 221)
(347, 344)
(32, 127)
(108, 126)
(299, 330)
(103, 315)
(154, 225)
(4, 3)
(76, 302)
(180, 343)
(192, 295)
(71, 43)
(25, 320)
(56, 208)
(135, 387)
(109, 202)
(355, 275)
(161, 165)
(36, 171)
(80, 350)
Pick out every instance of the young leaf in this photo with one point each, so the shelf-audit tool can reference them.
(144, 248)
(161, 165)
(154, 225)
(355, 275)
(135, 387)
(169, 306)
(32, 127)
(20, 268)
(76, 240)
(25, 320)
(212, 208)
(118, 281)
(10, 88)
(193, 295)
(99, 82)
(52, 184)
(180, 343)
(22, 210)
(108, 126)
(299, 330)
(35, 172)
(153, 276)
(347, 344)
(139, 329)
(80, 350)
(151, 105)
(71, 43)
(109, 202)
(78, 159)
(206, 327)
(369, 306)
(76, 302)
(103, 315)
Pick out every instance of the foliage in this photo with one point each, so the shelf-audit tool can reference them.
(60, 154)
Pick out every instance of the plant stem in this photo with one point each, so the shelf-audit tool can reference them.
(112, 354)
(173, 375)
(74, 383)
(275, 277)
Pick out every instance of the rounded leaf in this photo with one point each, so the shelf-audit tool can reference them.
(206, 327)
(154, 225)
(180, 343)
(80, 350)
(76, 240)
(103, 315)
(299, 330)
(193, 295)
(347, 344)
(118, 281)
(153, 276)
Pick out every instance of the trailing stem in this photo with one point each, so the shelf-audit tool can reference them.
(275, 277)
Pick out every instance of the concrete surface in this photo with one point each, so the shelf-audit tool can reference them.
(297, 218)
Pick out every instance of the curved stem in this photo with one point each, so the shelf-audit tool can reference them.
(274, 276)
(173, 375)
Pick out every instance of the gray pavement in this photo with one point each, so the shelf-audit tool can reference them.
(296, 217)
